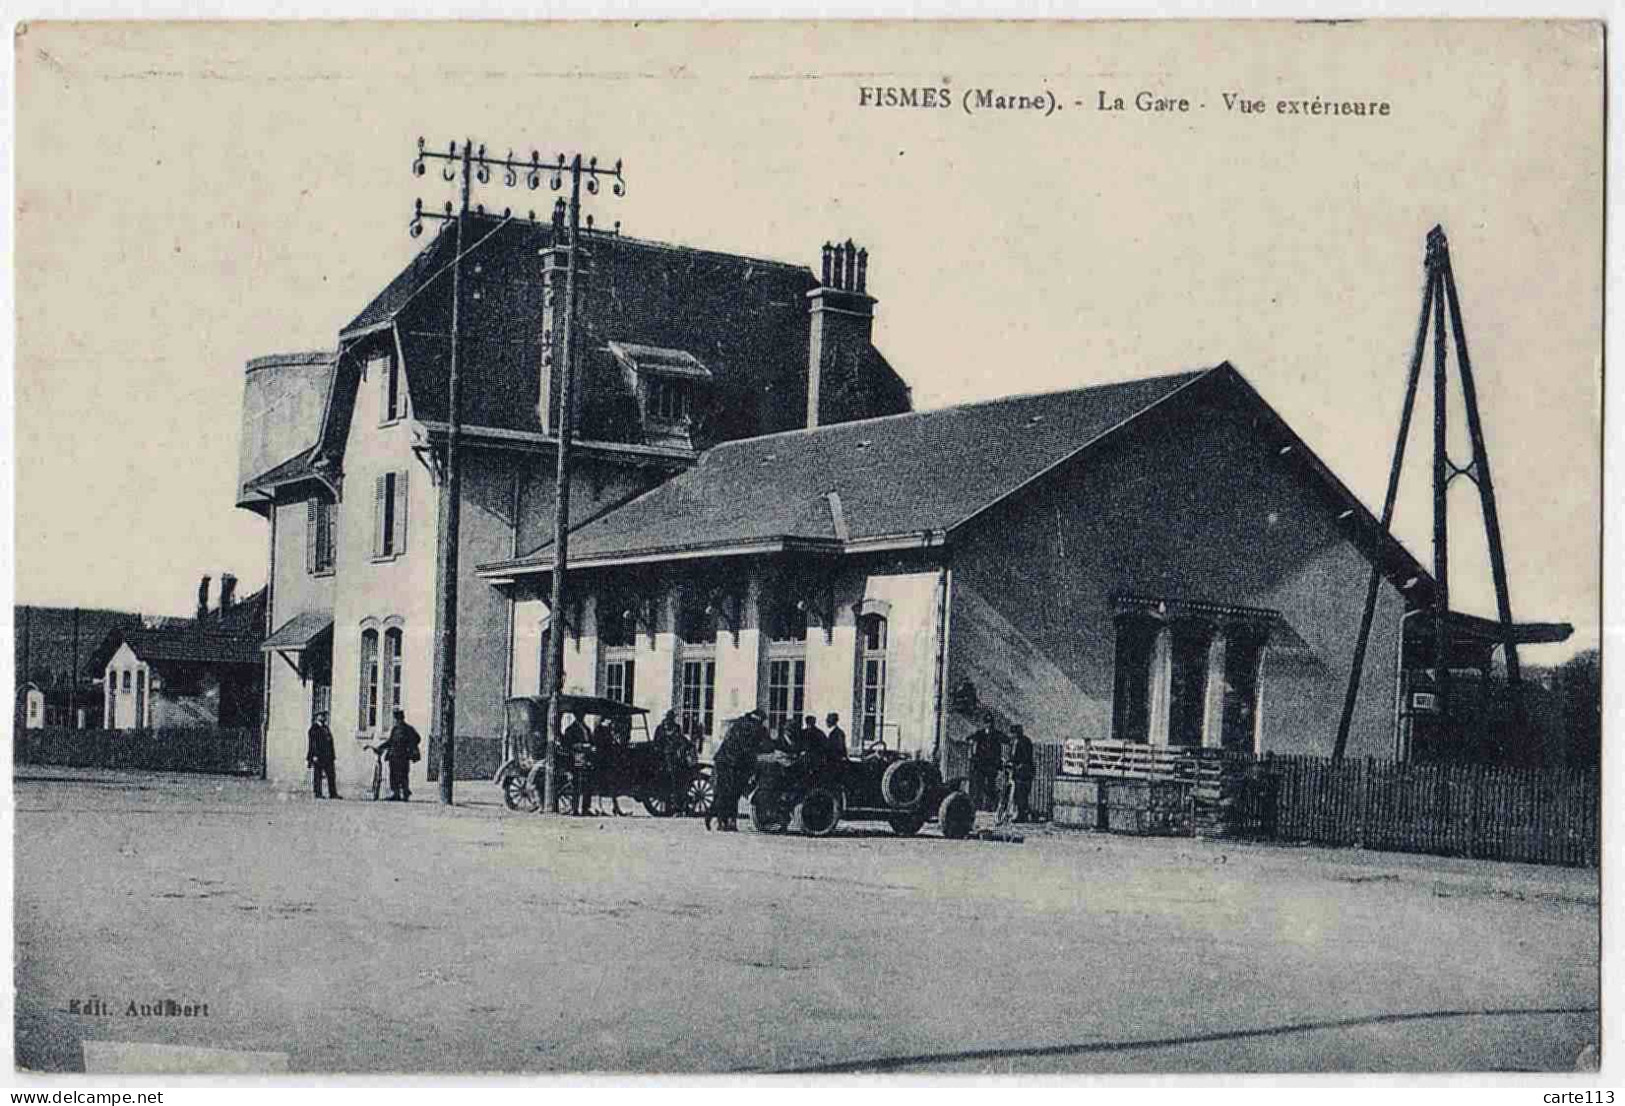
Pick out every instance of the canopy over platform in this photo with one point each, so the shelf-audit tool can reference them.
(1474, 639)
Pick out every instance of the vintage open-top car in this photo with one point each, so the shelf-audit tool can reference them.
(666, 781)
(813, 795)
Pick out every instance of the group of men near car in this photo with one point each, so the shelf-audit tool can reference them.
(1002, 770)
(748, 738)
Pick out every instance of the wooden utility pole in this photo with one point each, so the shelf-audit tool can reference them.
(561, 486)
(469, 165)
(1439, 299)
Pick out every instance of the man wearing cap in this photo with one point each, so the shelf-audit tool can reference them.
(320, 756)
(400, 750)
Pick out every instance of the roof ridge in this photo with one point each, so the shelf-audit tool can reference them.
(990, 402)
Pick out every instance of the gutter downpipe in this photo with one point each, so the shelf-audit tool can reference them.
(1401, 754)
(270, 623)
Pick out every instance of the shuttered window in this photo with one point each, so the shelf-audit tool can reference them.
(320, 530)
(391, 396)
(389, 515)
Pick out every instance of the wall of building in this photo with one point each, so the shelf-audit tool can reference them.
(1193, 504)
(909, 597)
(373, 593)
(508, 506)
(295, 591)
(283, 398)
(124, 660)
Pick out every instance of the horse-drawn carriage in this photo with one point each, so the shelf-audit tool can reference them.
(666, 780)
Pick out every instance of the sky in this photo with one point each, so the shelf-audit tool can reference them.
(190, 197)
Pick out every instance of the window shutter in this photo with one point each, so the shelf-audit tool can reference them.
(400, 512)
(381, 367)
(380, 495)
(312, 534)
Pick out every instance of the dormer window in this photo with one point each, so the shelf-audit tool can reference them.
(669, 399)
(670, 387)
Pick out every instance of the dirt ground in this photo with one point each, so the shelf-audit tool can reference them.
(371, 937)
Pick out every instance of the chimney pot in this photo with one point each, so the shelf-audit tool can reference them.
(203, 597)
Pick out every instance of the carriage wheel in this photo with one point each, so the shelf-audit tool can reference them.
(657, 804)
(517, 796)
(768, 813)
(564, 793)
(818, 813)
(699, 795)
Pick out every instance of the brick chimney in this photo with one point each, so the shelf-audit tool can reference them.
(843, 323)
(228, 591)
(202, 598)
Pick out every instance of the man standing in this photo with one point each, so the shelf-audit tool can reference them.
(579, 750)
(836, 736)
(1022, 770)
(604, 748)
(734, 762)
(403, 747)
(320, 756)
(986, 752)
(811, 744)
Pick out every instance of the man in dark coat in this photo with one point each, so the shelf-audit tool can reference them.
(578, 747)
(986, 753)
(403, 747)
(836, 736)
(811, 745)
(320, 756)
(733, 764)
(1022, 770)
(604, 749)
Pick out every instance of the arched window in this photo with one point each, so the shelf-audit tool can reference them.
(369, 681)
(872, 632)
(392, 672)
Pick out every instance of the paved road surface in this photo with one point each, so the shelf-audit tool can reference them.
(355, 936)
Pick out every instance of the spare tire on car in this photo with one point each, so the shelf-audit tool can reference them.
(906, 784)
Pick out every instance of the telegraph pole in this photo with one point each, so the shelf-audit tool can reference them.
(468, 165)
(1439, 299)
(561, 487)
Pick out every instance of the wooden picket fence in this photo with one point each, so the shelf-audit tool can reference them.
(1478, 811)
(1481, 811)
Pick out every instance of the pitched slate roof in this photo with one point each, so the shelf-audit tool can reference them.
(875, 478)
(176, 645)
(743, 319)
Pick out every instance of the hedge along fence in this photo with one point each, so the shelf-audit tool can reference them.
(233, 752)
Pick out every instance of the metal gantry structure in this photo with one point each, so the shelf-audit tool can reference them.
(1439, 298)
(469, 165)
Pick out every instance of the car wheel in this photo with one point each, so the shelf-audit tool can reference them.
(767, 812)
(818, 813)
(956, 815)
(905, 783)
